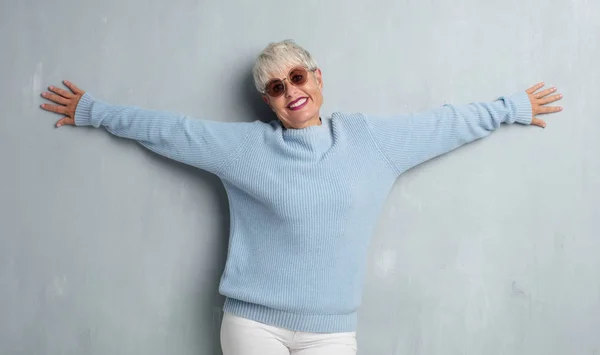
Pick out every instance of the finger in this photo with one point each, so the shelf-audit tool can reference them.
(65, 121)
(537, 122)
(534, 88)
(73, 87)
(550, 99)
(55, 98)
(55, 108)
(61, 92)
(546, 92)
(548, 109)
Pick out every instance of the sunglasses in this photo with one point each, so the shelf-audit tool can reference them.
(298, 76)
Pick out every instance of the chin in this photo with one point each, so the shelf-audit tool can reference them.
(299, 118)
(300, 121)
(303, 115)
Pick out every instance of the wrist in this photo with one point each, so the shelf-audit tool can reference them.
(83, 112)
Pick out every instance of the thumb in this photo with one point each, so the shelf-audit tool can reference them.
(537, 122)
(65, 121)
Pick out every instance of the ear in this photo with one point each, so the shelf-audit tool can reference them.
(266, 100)
(319, 76)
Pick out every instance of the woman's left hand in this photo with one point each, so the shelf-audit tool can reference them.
(539, 100)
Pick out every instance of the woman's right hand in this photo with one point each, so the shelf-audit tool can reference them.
(66, 102)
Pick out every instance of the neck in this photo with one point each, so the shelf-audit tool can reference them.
(313, 122)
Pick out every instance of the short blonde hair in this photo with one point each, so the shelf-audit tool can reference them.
(278, 56)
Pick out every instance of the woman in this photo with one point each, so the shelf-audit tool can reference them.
(303, 200)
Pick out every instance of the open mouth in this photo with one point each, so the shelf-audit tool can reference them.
(298, 104)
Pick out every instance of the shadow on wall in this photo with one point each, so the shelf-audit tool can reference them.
(205, 309)
(253, 105)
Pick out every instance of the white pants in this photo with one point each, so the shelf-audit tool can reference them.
(241, 336)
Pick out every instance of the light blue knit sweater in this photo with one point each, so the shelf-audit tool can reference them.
(303, 202)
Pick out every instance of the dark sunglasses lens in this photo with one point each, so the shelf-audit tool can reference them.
(298, 76)
(275, 88)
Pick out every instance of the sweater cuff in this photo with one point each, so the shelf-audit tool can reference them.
(83, 112)
(523, 112)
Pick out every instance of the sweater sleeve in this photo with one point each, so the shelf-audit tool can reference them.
(204, 144)
(409, 140)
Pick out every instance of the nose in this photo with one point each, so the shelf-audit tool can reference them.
(289, 88)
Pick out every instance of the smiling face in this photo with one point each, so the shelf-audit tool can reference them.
(296, 100)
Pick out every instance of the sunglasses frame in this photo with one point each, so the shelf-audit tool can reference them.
(264, 92)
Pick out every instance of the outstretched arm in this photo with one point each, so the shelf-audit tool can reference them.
(409, 140)
(205, 144)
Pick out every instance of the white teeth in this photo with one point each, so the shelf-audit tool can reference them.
(298, 103)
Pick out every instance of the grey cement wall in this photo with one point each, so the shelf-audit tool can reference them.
(106, 248)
